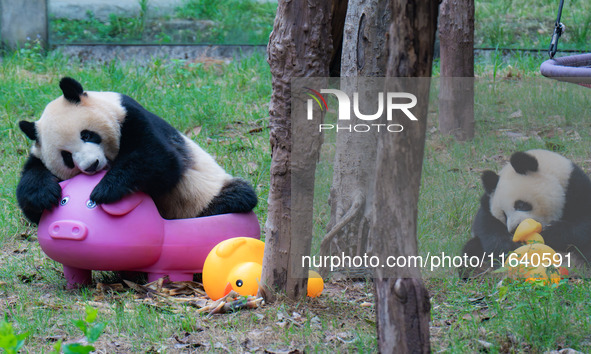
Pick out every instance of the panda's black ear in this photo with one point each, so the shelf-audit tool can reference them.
(489, 181)
(72, 89)
(29, 129)
(523, 163)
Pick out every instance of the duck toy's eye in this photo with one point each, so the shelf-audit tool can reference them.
(64, 201)
(239, 283)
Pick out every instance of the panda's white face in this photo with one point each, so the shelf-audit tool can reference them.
(79, 138)
(539, 194)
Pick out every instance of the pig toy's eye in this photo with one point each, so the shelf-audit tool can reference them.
(90, 204)
(64, 201)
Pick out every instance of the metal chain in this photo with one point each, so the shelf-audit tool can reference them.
(558, 29)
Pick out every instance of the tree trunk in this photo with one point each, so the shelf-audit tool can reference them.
(402, 304)
(299, 46)
(364, 55)
(456, 94)
(364, 38)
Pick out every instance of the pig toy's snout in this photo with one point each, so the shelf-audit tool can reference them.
(68, 230)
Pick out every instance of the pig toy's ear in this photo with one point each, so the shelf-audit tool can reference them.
(63, 184)
(124, 206)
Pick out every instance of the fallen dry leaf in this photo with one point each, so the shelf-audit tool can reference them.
(172, 296)
(194, 132)
(516, 114)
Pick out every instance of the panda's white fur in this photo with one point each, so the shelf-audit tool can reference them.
(544, 189)
(86, 131)
(183, 201)
(61, 123)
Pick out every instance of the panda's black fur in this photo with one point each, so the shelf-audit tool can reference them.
(152, 161)
(37, 190)
(541, 185)
(141, 151)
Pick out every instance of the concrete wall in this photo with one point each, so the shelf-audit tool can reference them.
(21, 21)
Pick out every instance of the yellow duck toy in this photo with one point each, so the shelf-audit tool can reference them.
(533, 261)
(236, 264)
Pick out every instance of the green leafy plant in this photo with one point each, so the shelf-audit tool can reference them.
(32, 54)
(91, 329)
(10, 341)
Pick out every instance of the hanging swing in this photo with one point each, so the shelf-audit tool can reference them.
(573, 68)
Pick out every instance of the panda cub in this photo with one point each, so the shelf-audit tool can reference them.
(537, 184)
(85, 132)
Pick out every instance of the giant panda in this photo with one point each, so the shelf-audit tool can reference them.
(85, 132)
(537, 184)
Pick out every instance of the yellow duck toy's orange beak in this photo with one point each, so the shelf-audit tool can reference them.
(227, 289)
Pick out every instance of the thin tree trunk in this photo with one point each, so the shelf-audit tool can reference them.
(299, 46)
(364, 55)
(456, 95)
(402, 304)
(364, 39)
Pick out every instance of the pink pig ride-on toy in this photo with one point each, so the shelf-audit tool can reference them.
(130, 235)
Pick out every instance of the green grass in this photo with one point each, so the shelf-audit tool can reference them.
(515, 317)
(196, 21)
(530, 24)
(238, 21)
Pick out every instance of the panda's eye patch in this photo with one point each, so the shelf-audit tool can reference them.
(67, 157)
(520, 205)
(89, 136)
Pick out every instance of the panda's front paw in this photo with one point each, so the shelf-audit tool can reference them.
(106, 192)
(33, 199)
(553, 236)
